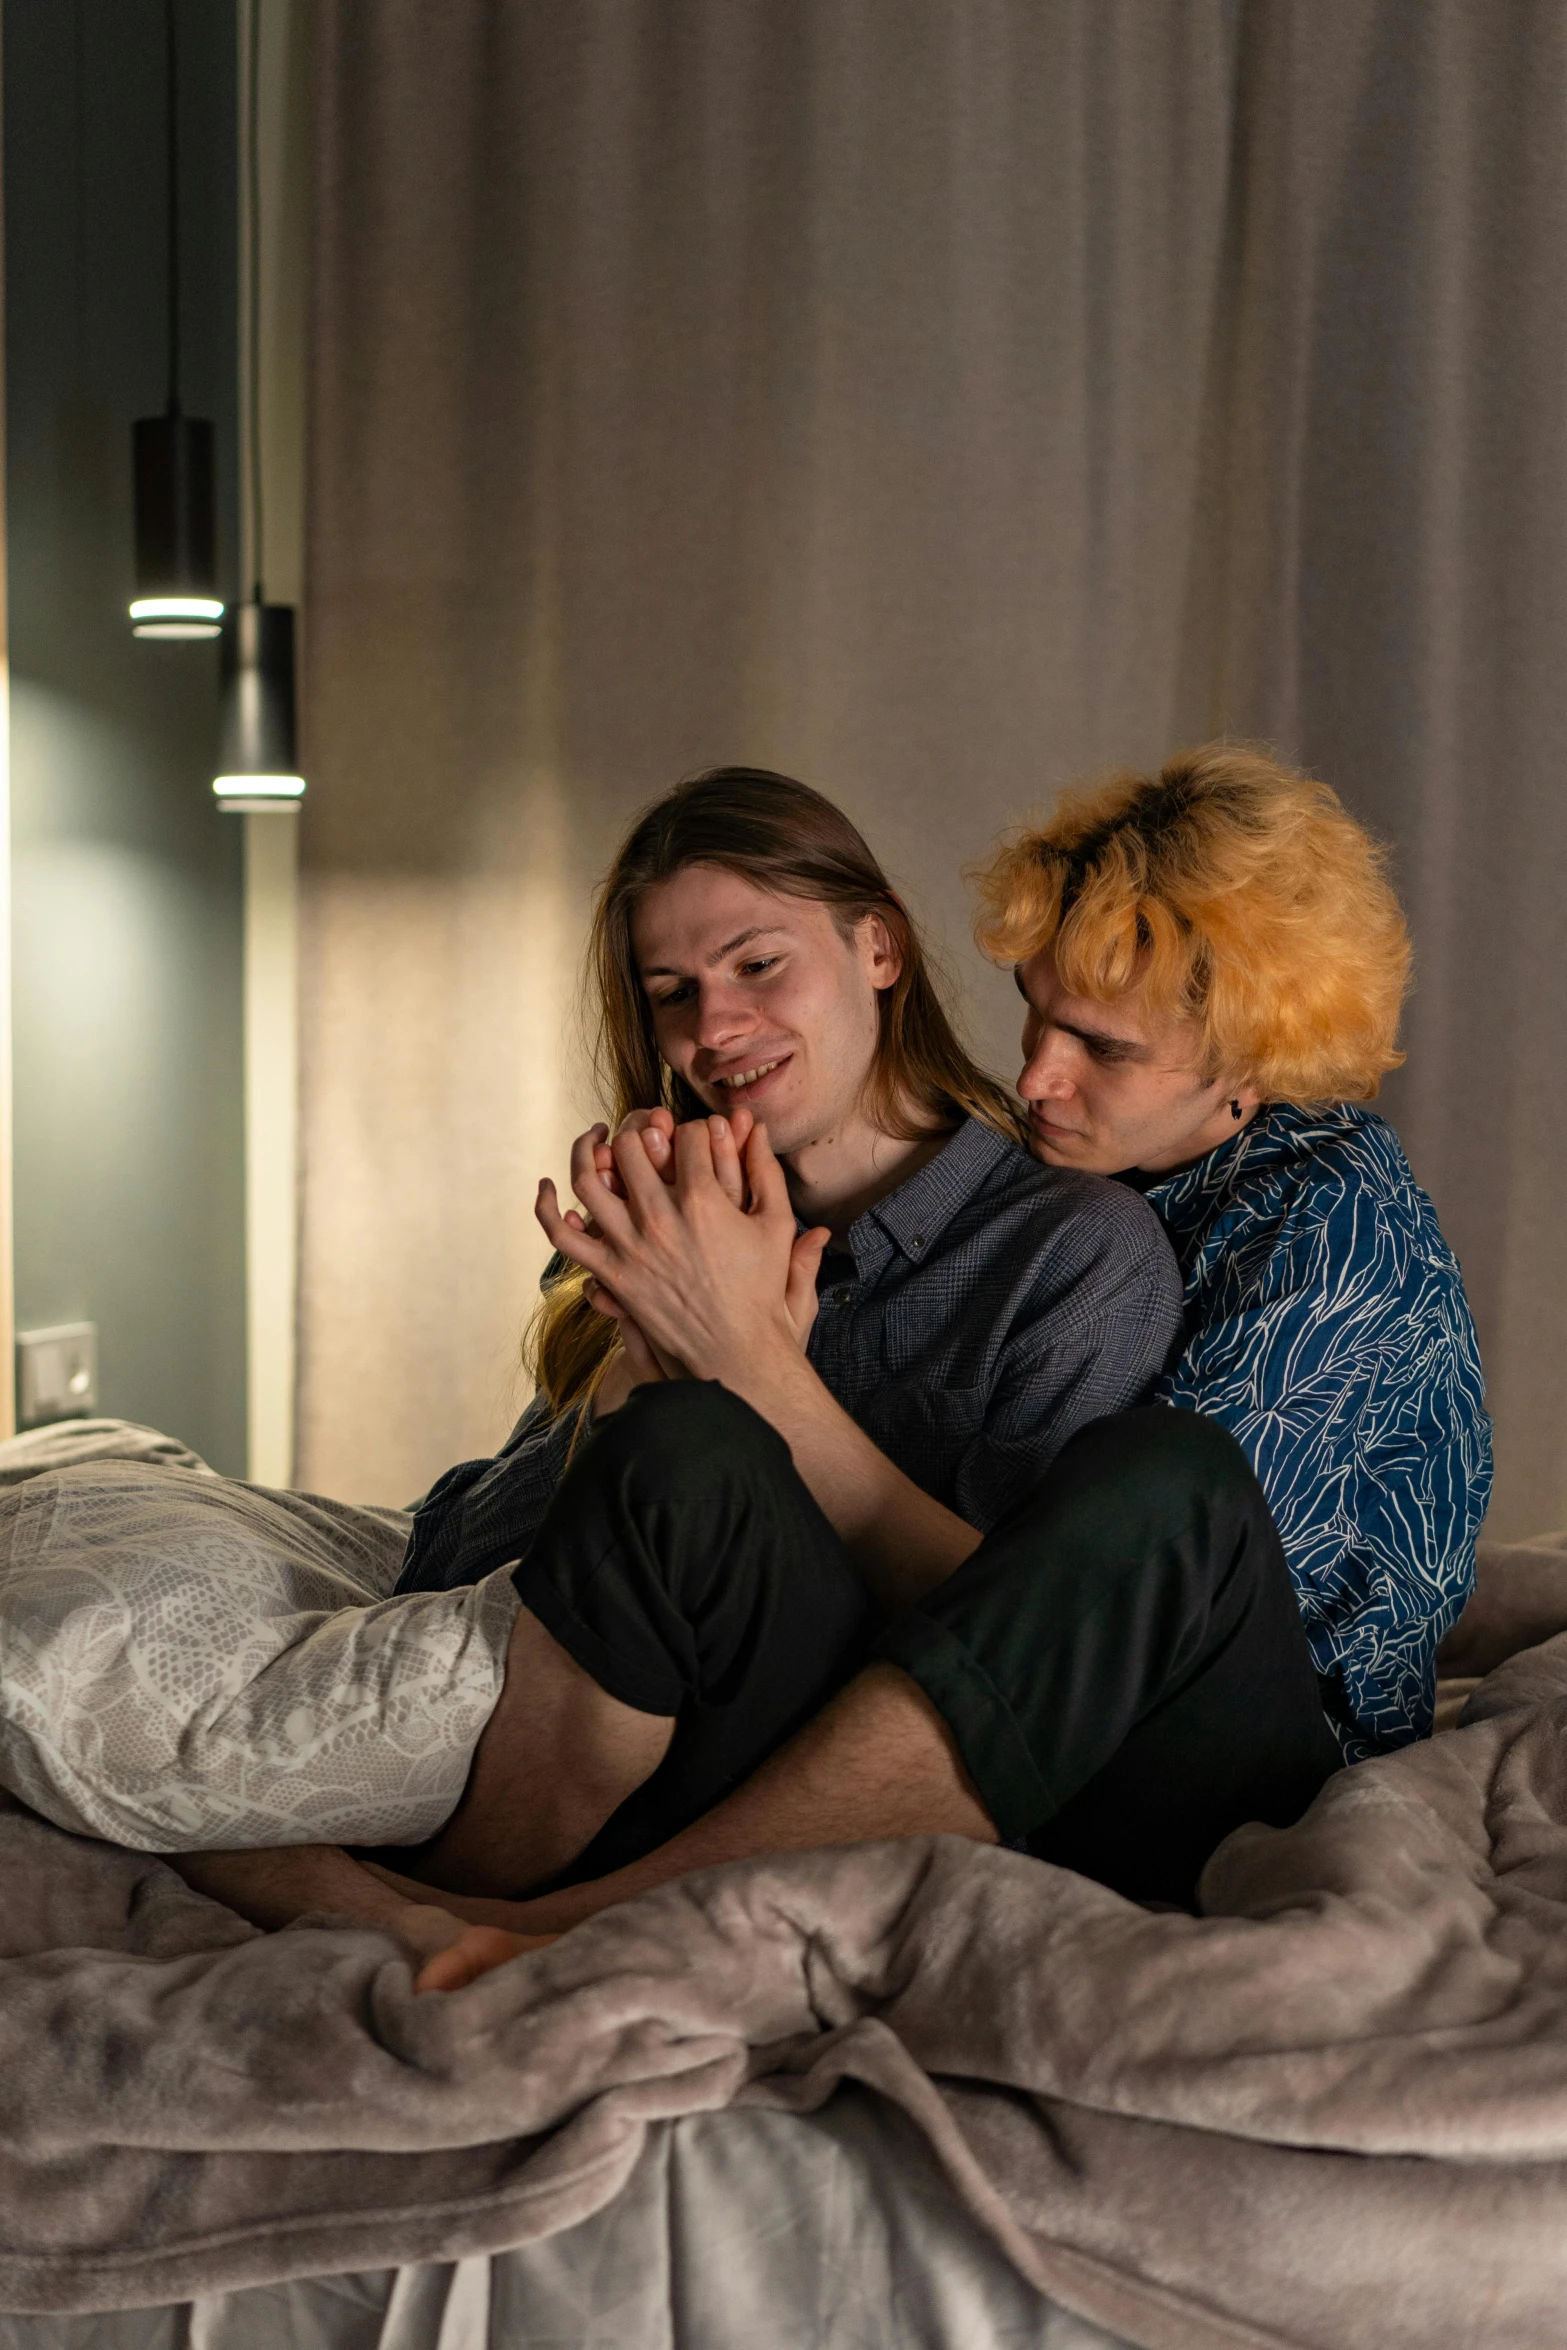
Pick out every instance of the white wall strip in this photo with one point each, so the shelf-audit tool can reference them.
(271, 1139)
(272, 840)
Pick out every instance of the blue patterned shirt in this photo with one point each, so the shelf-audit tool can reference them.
(1327, 1329)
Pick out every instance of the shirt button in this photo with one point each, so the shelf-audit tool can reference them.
(918, 1241)
(841, 1297)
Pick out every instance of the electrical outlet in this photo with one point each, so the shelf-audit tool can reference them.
(57, 1374)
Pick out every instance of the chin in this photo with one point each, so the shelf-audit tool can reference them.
(1056, 1150)
(785, 1134)
(1074, 1151)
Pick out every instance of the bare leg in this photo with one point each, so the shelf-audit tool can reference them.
(273, 1888)
(555, 1759)
(879, 1761)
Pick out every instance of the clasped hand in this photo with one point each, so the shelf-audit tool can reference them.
(690, 1240)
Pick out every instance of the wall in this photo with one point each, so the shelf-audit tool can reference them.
(127, 926)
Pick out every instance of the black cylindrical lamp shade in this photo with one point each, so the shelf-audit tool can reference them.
(258, 762)
(176, 528)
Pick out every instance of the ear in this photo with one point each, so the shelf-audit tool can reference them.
(879, 952)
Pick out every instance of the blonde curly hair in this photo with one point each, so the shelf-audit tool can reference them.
(1230, 892)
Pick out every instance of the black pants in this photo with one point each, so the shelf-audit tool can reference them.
(1121, 1663)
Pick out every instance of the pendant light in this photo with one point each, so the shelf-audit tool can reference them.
(172, 456)
(257, 759)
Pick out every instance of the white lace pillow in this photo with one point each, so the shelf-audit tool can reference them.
(188, 1663)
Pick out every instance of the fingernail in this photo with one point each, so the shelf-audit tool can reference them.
(720, 1126)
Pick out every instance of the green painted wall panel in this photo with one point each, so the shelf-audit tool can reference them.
(127, 927)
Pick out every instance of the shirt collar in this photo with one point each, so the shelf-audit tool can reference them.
(1270, 1135)
(914, 1216)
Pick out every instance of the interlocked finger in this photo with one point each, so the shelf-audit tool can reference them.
(727, 1166)
(565, 1233)
(587, 1182)
(769, 1184)
(695, 1174)
(655, 1127)
(647, 1192)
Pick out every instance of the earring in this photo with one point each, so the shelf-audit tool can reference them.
(1235, 1112)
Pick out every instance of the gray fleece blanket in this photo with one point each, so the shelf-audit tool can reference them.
(1331, 2112)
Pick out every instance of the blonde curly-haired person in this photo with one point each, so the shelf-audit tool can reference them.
(1213, 964)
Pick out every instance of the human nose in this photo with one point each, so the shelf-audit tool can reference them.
(1047, 1072)
(723, 1017)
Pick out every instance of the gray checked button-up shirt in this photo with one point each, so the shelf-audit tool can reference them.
(978, 1315)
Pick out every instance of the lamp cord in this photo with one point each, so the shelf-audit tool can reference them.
(253, 356)
(172, 142)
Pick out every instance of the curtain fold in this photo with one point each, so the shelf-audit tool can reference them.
(934, 401)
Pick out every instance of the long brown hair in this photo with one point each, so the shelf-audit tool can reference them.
(785, 838)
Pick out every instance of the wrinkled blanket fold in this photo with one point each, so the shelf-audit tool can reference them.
(1330, 2112)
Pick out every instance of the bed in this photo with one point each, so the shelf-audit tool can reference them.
(908, 2093)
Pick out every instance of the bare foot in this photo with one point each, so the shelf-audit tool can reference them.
(477, 1951)
(426, 1929)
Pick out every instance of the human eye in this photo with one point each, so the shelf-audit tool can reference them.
(757, 965)
(668, 997)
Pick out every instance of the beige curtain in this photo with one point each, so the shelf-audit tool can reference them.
(933, 398)
(1394, 607)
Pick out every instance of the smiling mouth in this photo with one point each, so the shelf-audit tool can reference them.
(738, 1079)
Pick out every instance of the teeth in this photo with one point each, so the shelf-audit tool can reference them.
(748, 1076)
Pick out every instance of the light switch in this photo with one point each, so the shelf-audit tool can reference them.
(57, 1373)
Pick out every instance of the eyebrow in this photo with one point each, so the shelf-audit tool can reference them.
(731, 946)
(1128, 1045)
